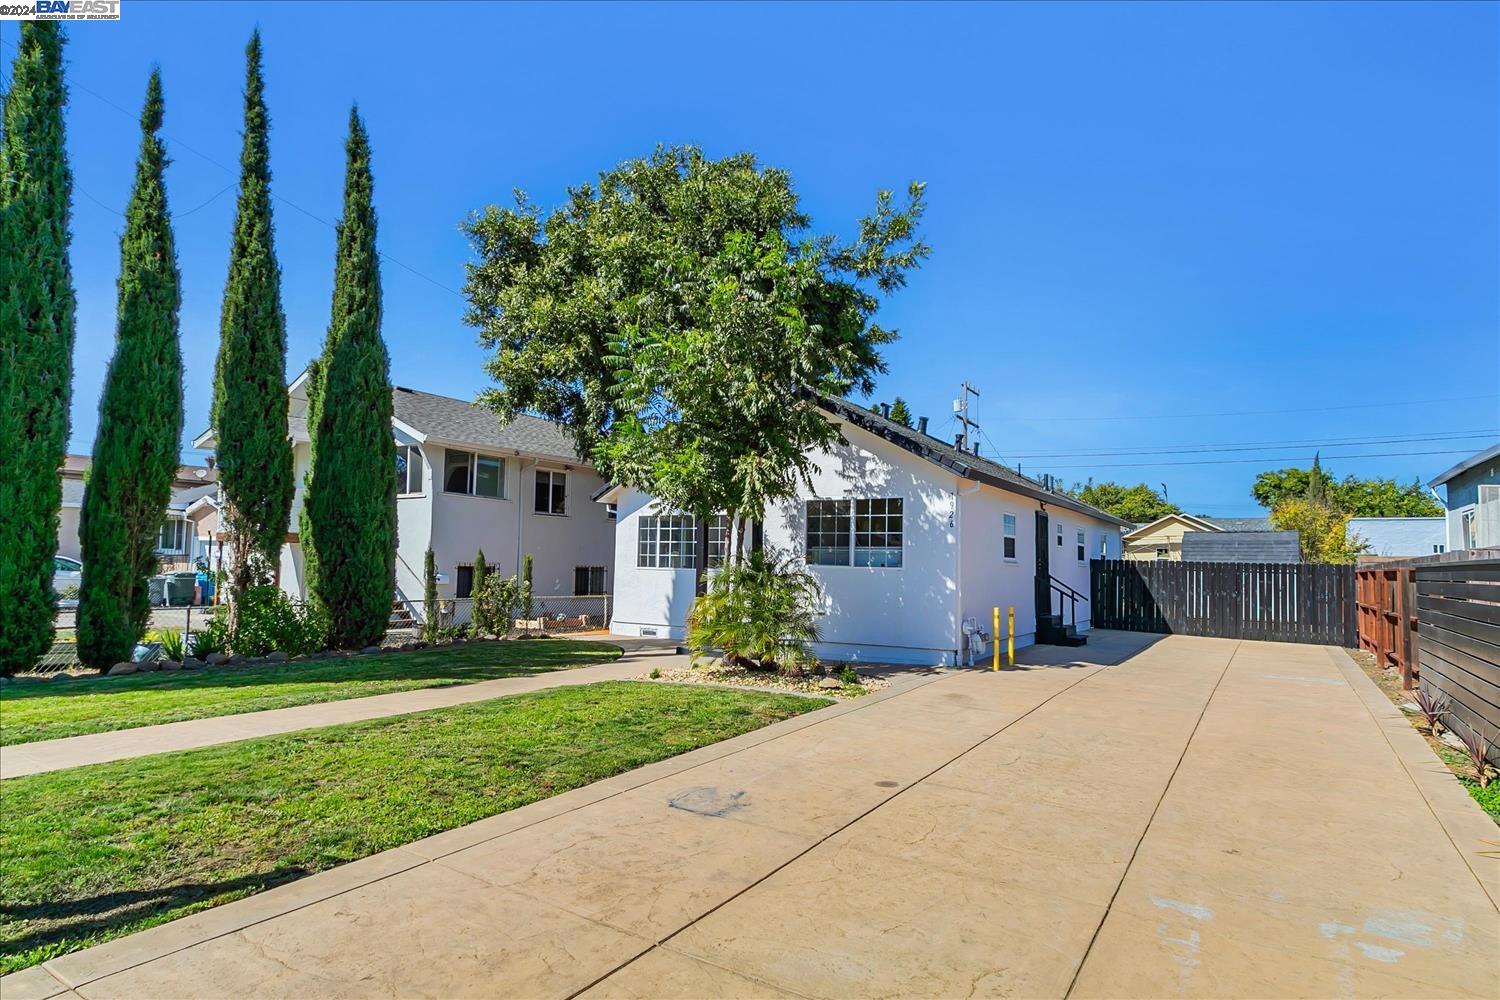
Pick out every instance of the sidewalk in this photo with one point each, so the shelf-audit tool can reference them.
(119, 744)
(1206, 818)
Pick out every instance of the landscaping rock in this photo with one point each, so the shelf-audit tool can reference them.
(830, 684)
(171, 665)
(300, 657)
(121, 669)
(370, 649)
(64, 676)
(217, 659)
(277, 657)
(147, 666)
(192, 664)
(235, 660)
(407, 647)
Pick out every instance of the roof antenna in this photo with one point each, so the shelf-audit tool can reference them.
(961, 408)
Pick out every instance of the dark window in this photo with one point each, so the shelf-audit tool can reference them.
(551, 492)
(877, 532)
(465, 581)
(588, 580)
(828, 523)
(456, 471)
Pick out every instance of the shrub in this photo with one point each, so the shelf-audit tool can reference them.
(849, 676)
(655, 673)
(269, 621)
(502, 601)
(214, 638)
(1432, 708)
(171, 642)
(1477, 749)
(761, 612)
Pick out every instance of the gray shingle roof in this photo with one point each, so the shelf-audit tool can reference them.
(962, 463)
(461, 422)
(1241, 523)
(182, 496)
(1241, 546)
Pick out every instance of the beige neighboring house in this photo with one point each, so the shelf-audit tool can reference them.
(181, 541)
(1162, 538)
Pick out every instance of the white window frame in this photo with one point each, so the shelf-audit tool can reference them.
(472, 480)
(848, 511)
(718, 541)
(553, 475)
(181, 533)
(413, 458)
(1008, 522)
(661, 542)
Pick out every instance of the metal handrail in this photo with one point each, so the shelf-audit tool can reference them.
(1073, 597)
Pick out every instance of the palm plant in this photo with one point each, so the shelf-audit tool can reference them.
(761, 613)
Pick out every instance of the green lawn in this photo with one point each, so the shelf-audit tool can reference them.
(47, 710)
(92, 853)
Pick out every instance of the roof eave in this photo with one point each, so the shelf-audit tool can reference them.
(1477, 459)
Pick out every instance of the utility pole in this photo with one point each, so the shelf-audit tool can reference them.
(961, 410)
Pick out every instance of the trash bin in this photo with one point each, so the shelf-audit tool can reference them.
(205, 581)
(156, 591)
(180, 588)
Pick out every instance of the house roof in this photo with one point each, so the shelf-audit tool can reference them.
(182, 496)
(961, 463)
(455, 421)
(1479, 458)
(1192, 521)
(1241, 523)
(1241, 546)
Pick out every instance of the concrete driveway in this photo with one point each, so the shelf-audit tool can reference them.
(1189, 817)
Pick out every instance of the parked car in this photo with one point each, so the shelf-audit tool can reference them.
(67, 577)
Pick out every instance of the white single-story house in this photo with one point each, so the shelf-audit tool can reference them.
(466, 482)
(1471, 494)
(910, 537)
(178, 545)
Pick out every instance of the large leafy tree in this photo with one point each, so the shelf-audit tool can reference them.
(681, 320)
(351, 490)
(1138, 503)
(140, 418)
(1354, 496)
(36, 340)
(250, 402)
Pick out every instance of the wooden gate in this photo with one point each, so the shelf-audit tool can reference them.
(1281, 602)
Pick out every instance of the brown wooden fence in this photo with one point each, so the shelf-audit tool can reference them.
(1458, 640)
(1387, 597)
(1281, 602)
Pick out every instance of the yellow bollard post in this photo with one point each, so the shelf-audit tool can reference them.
(996, 639)
(1010, 636)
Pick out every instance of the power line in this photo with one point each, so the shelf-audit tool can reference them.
(1206, 449)
(1238, 461)
(1258, 413)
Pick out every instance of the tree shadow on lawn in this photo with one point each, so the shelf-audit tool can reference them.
(76, 920)
(474, 663)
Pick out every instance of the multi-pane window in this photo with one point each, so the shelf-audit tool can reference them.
(666, 542)
(551, 492)
(718, 541)
(855, 533)
(1082, 556)
(588, 580)
(828, 524)
(476, 475)
(173, 536)
(877, 532)
(408, 469)
(1009, 544)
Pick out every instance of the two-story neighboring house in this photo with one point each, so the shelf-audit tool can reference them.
(466, 482)
(1471, 492)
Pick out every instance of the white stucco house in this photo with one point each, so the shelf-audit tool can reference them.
(908, 536)
(1400, 537)
(466, 482)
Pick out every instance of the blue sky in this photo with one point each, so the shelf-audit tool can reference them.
(1150, 225)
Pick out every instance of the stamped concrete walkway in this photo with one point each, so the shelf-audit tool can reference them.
(1206, 818)
(120, 744)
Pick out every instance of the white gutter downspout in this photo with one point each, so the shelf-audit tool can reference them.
(520, 489)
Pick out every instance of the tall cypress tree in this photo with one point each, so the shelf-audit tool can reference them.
(36, 340)
(351, 491)
(140, 418)
(250, 402)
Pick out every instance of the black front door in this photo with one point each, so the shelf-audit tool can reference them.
(1043, 571)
